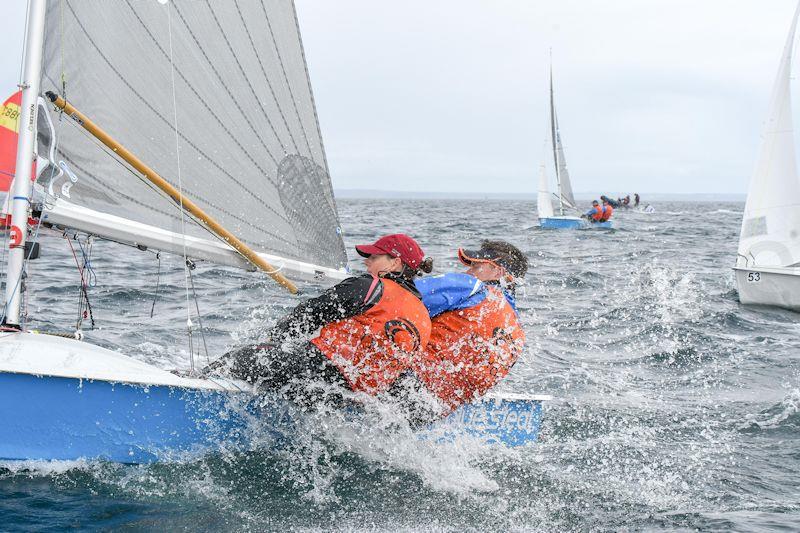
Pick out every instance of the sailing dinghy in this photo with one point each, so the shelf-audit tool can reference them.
(189, 128)
(768, 262)
(566, 200)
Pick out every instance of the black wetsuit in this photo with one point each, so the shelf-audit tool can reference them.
(269, 366)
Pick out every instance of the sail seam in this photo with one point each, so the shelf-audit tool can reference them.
(163, 119)
(86, 173)
(195, 196)
(222, 82)
(244, 74)
(266, 78)
(286, 78)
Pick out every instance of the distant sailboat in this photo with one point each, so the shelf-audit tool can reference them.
(547, 218)
(768, 263)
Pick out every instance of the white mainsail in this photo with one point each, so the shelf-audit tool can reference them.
(770, 234)
(544, 204)
(565, 195)
(565, 187)
(215, 96)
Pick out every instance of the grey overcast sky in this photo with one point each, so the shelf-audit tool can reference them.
(451, 95)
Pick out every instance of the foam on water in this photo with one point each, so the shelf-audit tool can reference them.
(675, 407)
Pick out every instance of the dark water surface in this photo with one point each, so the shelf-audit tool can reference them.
(675, 407)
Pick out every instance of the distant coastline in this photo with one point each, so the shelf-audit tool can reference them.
(581, 196)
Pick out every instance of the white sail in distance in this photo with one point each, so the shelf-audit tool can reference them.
(232, 77)
(770, 234)
(565, 187)
(565, 196)
(544, 204)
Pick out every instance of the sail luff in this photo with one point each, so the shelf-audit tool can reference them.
(769, 234)
(20, 192)
(186, 204)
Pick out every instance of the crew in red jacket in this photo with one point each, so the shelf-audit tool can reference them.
(369, 326)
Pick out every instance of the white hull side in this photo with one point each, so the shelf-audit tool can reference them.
(778, 287)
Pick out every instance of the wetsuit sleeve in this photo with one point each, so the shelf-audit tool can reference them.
(351, 297)
(448, 292)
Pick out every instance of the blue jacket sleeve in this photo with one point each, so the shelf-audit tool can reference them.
(448, 292)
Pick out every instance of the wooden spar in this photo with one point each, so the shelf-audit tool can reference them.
(171, 191)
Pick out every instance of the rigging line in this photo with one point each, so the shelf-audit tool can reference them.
(199, 316)
(186, 270)
(162, 194)
(221, 80)
(91, 277)
(269, 84)
(202, 102)
(158, 284)
(84, 294)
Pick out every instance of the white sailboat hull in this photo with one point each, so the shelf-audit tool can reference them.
(773, 286)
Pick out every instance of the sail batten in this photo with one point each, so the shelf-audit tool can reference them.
(250, 150)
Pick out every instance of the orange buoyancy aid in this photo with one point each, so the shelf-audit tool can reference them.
(607, 211)
(598, 213)
(471, 350)
(372, 349)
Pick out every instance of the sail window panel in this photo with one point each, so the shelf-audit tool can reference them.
(754, 227)
(234, 136)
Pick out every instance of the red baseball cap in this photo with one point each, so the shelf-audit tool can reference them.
(397, 245)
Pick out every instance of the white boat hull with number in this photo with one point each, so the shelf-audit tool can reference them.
(775, 286)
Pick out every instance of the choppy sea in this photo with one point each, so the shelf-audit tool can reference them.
(675, 408)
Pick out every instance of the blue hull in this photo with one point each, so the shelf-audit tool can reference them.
(56, 418)
(68, 418)
(562, 223)
(572, 223)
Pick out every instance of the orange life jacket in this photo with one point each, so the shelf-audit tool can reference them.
(598, 213)
(372, 349)
(470, 350)
(607, 211)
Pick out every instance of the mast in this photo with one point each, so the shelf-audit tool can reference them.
(553, 133)
(21, 187)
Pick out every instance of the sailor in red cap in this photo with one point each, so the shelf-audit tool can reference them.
(359, 334)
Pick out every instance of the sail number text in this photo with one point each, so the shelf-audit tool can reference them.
(753, 277)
